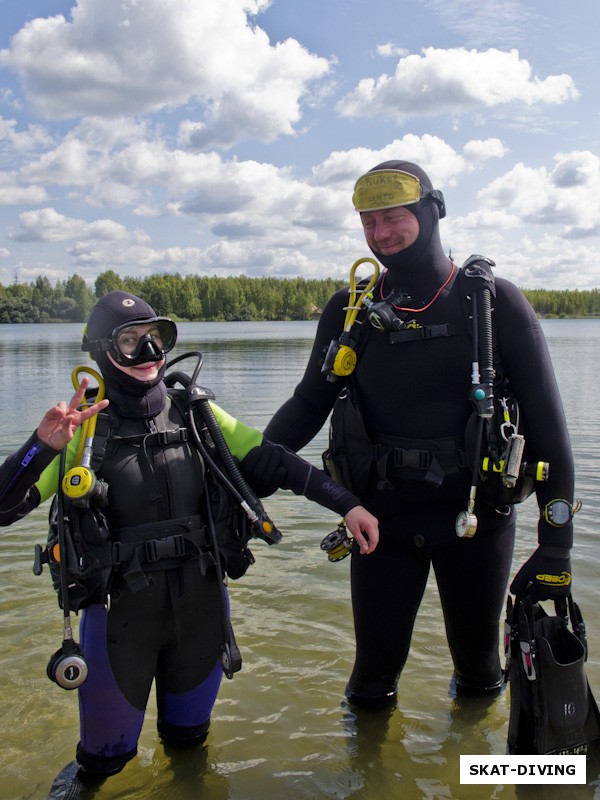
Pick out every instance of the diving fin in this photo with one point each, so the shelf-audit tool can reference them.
(74, 782)
(552, 708)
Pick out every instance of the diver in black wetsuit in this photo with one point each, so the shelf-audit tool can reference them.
(165, 617)
(413, 393)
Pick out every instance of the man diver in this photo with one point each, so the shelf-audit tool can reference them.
(164, 622)
(411, 387)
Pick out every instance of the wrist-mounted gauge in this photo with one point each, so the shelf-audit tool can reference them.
(560, 512)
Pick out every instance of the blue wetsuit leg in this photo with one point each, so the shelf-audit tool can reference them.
(185, 717)
(109, 725)
(172, 632)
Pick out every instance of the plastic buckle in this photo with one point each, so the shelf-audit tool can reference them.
(170, 547)
(528, 657)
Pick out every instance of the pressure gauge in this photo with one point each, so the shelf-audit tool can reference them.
(465, 525)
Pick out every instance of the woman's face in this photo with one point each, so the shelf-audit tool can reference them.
(141, 372)
(128, 341)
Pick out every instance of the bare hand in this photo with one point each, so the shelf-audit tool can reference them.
(60, 423)
(359, 522)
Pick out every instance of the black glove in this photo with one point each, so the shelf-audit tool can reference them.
(263, 468)
(546, 575)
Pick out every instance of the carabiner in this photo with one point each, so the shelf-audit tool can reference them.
(507, 428)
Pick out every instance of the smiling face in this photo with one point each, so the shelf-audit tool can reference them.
(390, 230)
(141, 372)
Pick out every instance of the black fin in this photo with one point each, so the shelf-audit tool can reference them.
(552, 708)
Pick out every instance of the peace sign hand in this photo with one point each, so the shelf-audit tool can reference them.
(59, 424)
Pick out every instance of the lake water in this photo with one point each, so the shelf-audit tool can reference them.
(279, 729)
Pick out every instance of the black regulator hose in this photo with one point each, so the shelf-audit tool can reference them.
(67, 667)
(197, 397)
(486, 348)
(482, 379)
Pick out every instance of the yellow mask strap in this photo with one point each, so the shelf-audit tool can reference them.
(386, 188)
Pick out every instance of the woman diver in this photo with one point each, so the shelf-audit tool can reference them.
(164, 621)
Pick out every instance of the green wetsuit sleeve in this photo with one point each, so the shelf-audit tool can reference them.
(47, 483)
(240, 438)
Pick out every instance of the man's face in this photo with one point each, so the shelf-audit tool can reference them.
(391, 230)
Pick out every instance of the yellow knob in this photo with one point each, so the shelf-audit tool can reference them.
(345, 361)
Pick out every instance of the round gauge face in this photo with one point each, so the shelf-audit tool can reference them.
(559, 512)
(466, 524)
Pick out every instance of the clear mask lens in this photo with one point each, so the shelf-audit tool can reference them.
(141, 339)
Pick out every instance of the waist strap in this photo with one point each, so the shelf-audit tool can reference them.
(157, 546)
(436, 459)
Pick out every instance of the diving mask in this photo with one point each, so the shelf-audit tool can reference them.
(137, 342)
(389, 188)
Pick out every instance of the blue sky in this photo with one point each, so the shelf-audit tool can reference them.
(224, 138)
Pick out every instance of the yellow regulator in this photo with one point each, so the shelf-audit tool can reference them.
(340, 358)
(80, 484)
(344, 361)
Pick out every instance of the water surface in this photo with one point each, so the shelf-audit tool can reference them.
(279, 728)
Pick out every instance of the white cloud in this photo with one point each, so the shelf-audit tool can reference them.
(453, 81)
(389, 49)
(117, 57)
(442, 162)
(566, 197)
(47, 225)
(12, 193)
(487, 219)
(157, 117)
(477, 151)
(32, 138)
(546, 262)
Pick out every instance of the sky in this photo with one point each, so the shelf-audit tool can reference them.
(225, 138)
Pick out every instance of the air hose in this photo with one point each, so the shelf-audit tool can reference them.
(197, 397)
(67, 667)
(482, 379)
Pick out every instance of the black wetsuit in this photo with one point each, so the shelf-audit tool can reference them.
(418, 390)
(169, 627)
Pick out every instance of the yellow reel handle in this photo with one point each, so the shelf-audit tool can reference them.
(355, 303)
(89, 426)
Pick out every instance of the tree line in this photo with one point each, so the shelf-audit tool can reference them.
(215, 299)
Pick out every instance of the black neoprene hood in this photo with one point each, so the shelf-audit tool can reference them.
(114, 309)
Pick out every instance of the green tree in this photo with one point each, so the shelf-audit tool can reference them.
(107, 282)
(76, 289)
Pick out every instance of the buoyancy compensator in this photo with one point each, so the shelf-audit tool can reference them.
(494, 444)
